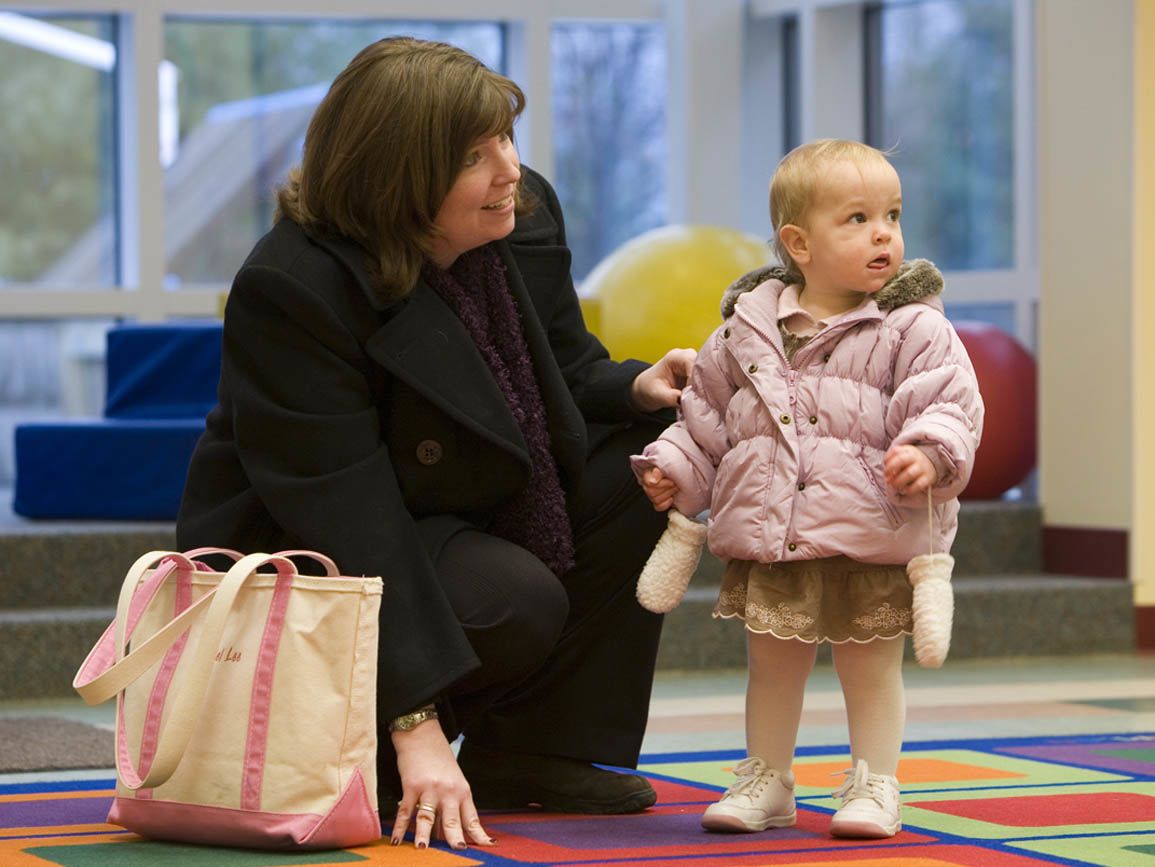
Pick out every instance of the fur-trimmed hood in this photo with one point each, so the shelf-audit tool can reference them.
(916, 279)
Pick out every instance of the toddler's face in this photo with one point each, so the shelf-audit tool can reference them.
(853, 231)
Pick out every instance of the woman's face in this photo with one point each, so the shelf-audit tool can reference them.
(479, 206)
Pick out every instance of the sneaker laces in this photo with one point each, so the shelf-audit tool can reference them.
(860, 783)
(752, 775)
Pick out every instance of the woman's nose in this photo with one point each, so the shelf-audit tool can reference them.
(512, 172)
(510, 164)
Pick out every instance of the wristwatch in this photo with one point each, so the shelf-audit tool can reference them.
(409, 721)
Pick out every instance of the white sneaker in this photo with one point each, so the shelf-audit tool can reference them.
(870, 805)
(761, 798)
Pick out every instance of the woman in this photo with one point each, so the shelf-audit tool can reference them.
(408, 386)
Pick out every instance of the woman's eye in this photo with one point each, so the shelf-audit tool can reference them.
(471, 159)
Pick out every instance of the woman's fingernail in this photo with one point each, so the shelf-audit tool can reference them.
(422, 845)
(460, 845)
(395, 841)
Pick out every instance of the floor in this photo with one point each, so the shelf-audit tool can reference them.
(1018, 697)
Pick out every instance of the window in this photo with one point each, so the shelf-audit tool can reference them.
(942, 97)
(57, 150)
(609, 134)
(244, 94)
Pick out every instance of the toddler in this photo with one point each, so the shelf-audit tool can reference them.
(831, 403)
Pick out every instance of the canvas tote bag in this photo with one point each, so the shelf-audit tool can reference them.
(246, 706)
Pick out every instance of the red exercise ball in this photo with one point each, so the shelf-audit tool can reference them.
(1006, 375)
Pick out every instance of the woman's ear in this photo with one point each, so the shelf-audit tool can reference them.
(795, 242)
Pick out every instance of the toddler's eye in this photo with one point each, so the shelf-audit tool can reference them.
(894, 215)
(858, 218)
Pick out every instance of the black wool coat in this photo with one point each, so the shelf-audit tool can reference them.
(371, 429)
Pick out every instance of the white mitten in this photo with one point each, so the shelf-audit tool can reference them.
(667, 573)
(933, 607)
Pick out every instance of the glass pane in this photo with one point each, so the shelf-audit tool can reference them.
(240, 98)
(946, 105)
(609, 134)
(1001, 315)
(57, 133)
(48, 370)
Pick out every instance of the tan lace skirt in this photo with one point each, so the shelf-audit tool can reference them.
(834, 599)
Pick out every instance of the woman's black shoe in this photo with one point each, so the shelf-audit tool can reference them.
(514, 781)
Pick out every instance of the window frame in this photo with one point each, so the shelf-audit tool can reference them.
(140, 292)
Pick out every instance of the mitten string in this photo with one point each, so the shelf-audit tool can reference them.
(929, 523)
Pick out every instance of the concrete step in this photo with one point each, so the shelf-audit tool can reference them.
(75, 563)
(69, 564)
(997, 538)
(41, 649)
(1011, 615)
(1006, 615)
(59, 581)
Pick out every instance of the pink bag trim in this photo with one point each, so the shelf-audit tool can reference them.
(103, 655)
(351, 822)
(159, 693)
(262, 696)
(351, 819)
(129, 776)
(109, 651)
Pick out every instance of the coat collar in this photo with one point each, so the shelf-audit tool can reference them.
(916, 280)
(421, 341)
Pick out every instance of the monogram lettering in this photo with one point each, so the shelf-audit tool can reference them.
(229, 655)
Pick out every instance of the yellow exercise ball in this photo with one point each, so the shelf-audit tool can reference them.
(664, 288)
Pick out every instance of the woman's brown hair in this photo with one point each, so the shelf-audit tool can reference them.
(386, 144)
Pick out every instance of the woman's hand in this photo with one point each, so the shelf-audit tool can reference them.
(661, 384)
(908, 470)
(435, 794)
(659, 488)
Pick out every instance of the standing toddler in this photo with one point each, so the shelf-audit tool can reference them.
(832, 399)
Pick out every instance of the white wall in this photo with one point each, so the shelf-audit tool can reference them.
(1085, 103)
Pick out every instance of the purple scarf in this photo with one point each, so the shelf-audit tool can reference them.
(476, 289)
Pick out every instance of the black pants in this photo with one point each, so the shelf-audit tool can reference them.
(566, 665)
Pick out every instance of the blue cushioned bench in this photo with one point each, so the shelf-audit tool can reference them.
(131, 463)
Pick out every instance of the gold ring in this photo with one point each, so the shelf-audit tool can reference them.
(427, 808)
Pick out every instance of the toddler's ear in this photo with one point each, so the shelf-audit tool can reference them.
(796, 243)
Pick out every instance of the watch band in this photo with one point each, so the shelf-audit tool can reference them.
(409, 721)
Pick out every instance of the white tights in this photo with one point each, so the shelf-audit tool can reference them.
(871, 678)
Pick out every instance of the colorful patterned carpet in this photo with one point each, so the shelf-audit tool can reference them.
(1063, 800)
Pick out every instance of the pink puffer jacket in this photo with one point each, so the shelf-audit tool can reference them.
(789, 461)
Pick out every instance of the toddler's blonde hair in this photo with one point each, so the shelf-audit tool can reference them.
(796, 181)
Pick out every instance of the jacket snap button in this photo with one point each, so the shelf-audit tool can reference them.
(726, 332)
(826, 357)
(814, 419)
(802, 486)
(784, 418)
(753, 368)
(792, 547)
(429, 452)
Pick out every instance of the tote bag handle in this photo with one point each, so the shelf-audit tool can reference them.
(106, 670)
(181, 720)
